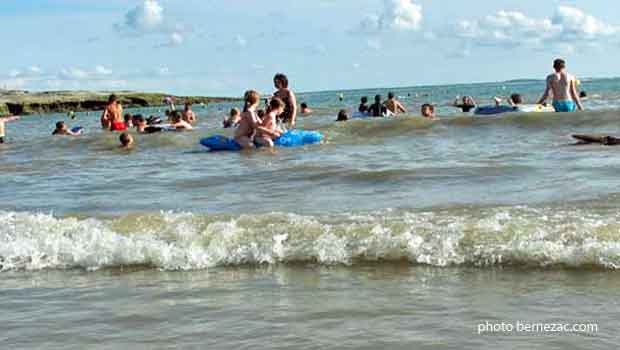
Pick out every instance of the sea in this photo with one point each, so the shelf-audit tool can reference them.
(394, 233)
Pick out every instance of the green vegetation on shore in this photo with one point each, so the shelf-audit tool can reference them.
(18, 102)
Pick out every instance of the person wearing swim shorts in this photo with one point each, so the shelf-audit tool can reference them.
(393, 105)
(112, 117)
(564, 89)
(4, 120)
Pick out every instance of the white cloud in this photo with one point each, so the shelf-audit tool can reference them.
(101, 70)
(399, 15)
(74, 73)
(146, 17)
(515, 29)
(374, 44)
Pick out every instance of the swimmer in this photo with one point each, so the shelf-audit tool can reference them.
(305, 109)
(363, 107)
(178, 122)
(467, 104)
(377, 109)
(514, 101)
(289, 116)
(267, 130)
(393, 105)
(61, 129)
(564, 89)
(343, 116)
(189, 115)
(428, 111)
(583, 95)
(128, 121)
(112, 117)
(244, 135)
(4, 120)
(126, 141)
(233, 118)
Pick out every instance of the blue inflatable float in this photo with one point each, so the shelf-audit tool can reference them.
(291, 138)
(77, 129)
(492, 110)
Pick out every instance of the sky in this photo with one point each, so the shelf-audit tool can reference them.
(224, 47)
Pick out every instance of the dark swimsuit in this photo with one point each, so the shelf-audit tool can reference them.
(466, 108)
(376, 110)
(1, 139)
(287, 116)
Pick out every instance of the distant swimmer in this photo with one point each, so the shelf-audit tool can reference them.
(564, 89)
(343, 116)
(305, 109)
(377, 109)
(126, 141)
(393, 105)
(267, 129)
(583, 95)
(63, 130)
(4, 120)
(280, 81)
(467, 104)
(428, 111)
(233, 118)
(189, 115)
(244, 135)
(605, 140)
(514, 101)
(363, 107)
(112, 117)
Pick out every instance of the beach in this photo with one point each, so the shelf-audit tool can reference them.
(393, 232)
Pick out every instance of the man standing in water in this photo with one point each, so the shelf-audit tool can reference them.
(4, 120)
(112, 117)
(289, 116)
(393, 105)
(564, 88)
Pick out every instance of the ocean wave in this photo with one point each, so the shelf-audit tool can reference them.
(511, 236)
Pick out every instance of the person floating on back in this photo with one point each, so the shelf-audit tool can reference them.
(62, 129)
(564, 89)
(126, 141)
(305, 109)
(4, 120)
(393, 105)
(112, 117)
(467, 104)
(244, 135)
(267, 130)
(233, 118)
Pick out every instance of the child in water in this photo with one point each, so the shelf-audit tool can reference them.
(363, 107)
(467, 104)
(233, 118)
(343, 116)
(244, 135)
(428, 111)
(178, 122)
(305, 109)
(4, 120)
(61, 129)
(126, 141)
(268, 130)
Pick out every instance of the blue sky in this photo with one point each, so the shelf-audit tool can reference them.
(223, 47)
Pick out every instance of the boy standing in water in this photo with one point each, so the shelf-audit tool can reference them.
(363, 107)
(393, 105)
(244, 135)
(112, 117)
(189, 115)
(280, 81)
(268, 129)
(4, 120)
(377, 109)
(564, 88)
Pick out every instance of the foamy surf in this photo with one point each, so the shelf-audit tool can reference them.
(510, 236)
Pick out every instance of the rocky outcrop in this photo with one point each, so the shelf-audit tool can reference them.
(24, 102)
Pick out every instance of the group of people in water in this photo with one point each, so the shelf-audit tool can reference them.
(261, 126)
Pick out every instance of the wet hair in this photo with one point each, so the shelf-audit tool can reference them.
(304, 105)
(390, 95)
(377, 98)
(281, 78)
(60, 124)
(251, 97)
(429, 106)
(128, 117)
(176, 116)
(583, 94)
(260, 113)
(140, 118)
(559, 64)
(274, 104)
(125, 139)
(343, 115)
(364, 99)
(516, 99)
(234, 111)
(112, 98)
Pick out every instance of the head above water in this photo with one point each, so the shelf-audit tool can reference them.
(390, 95)
(235, 112)
(559, 65)
(364, 99)
(126, 139)
(516, 99)
(251, 98)
(128, 117)
(343, 115)
(113, 98)
(428, 110)
(60, 125)
(280, 81)
(276, 104)
(378, 98)
(304, 105)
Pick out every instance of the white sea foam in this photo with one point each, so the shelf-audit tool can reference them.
(184, 241)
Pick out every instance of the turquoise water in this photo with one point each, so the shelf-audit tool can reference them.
(402, 233)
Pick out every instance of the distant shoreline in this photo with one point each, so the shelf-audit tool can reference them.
(19, 102)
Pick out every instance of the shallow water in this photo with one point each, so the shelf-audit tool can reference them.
(395, 232)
